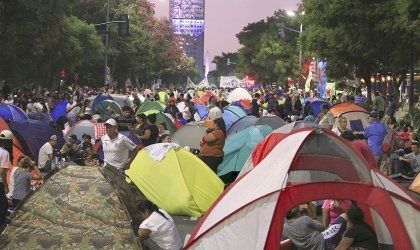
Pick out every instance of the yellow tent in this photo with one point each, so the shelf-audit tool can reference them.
(180, 183)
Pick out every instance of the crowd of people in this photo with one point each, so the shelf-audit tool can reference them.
(386, 144)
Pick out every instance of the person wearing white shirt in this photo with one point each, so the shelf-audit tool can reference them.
(158, 228)
(46, 154)
(5, 136)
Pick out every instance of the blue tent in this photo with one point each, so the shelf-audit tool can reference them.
(100, 98)
(12, 113)
(35, 133)
(316, 106)
(202, 111)
(59, 110)
(239, 146)
(231, 114)
(244, 122)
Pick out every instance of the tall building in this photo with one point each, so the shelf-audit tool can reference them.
(187, 18)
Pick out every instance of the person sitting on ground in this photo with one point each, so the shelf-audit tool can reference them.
(325, 118)
(164, 139)
(12, 183)
(171, 108)
(341, 125)
(304, 232)
(69, 149)
(163, 129)
(158, 229)
(22, 180)
(46, 154)
(331, 209)
(359, 235)
(408, 165)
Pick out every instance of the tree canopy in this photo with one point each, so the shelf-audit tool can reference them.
(39, 39)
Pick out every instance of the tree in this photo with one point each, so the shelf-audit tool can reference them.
(365, 36)
(267, 55)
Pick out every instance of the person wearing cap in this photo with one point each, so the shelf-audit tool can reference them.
(5, 137)
(116, 147)
(46, 154)
(375, 134)
(70, 148)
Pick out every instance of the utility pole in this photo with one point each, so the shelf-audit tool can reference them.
(106, 45)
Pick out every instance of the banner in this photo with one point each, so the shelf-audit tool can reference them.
(230, 82)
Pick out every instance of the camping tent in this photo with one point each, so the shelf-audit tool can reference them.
(239, 94)
(316, 106)
(12, 113)
(77, 208)
(189, 135)
(101, 97)
(80, 128)
(180, 183)
(357, 117)
(274, 122)
(239, 146)
(231, 114)
(107, 109)
(315, 164)
(146, 106)
(265, 147)
(242, 123)
(162, 117)
(59, 110)
(35, 133)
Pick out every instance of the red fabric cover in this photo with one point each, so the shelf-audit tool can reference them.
(364, 194)
(264, 148)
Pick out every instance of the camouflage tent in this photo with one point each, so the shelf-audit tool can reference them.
(77, 208)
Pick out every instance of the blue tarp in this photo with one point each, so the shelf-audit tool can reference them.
(202, 111)
(239, 146)
(59, 110)
(36, 133)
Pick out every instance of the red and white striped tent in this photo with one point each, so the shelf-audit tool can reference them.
(309, 164)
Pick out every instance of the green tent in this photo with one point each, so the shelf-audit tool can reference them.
(107, 108)
(146, 106)
(161, 117)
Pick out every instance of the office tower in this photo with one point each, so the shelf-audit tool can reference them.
(187, 18)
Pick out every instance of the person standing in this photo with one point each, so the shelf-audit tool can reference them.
(5, 136)
(46, 154)
(116, 147)
(151, 131)
(211, 151)
(375, 133)
(379, 105)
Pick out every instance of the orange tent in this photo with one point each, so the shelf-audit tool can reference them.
(357, 117)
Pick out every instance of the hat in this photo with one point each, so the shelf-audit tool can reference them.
(111, 122)
(6, 135)
(374, 114)
(53, 137)
(73, 136)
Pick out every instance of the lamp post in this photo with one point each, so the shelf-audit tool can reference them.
(292, 14)
(106, 45)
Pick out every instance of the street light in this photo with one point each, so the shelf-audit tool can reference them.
(292, 14)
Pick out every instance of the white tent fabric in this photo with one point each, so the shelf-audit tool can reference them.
(257, 202)
(239, 94)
